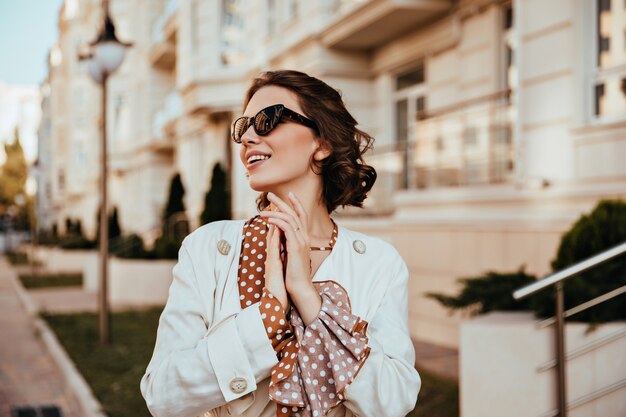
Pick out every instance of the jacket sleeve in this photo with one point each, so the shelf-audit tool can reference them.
(388, 383)
(198, 365)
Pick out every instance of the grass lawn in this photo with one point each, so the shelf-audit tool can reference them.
(438, 397)
(114, 371)
(17, 258)
(51, 280)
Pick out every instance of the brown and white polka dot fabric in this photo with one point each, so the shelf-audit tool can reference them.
(316, 362)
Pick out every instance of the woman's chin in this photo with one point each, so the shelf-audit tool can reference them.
(259, 185)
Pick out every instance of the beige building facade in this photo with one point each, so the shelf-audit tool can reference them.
(497, 123)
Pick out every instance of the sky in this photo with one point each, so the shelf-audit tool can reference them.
(28, 28)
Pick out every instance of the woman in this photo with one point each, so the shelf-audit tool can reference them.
(287, 314)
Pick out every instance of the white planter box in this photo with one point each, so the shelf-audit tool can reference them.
(56, 260)
(132, 282)
(499, 359)
(139, 282)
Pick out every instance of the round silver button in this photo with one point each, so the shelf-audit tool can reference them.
(359, 246)
(223, 247)
(238, 385)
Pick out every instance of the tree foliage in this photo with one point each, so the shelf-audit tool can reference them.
(489, 292)
(175, 225)
(604, 228)
(217, 199)
(16, 207)
(175, 200)
(13, 173)
(115, 231)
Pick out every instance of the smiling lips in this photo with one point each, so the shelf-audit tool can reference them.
(256, 159)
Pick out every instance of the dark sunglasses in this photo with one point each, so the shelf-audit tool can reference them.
(266, 120)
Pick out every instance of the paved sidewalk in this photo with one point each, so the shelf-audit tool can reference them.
(439, 360)
(28, 376)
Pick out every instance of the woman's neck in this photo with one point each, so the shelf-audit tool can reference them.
(320, 225)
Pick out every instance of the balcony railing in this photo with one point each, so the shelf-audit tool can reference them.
(470, 143)
(557, 280)
(368, 24)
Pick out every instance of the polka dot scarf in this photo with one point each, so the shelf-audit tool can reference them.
(316, 362)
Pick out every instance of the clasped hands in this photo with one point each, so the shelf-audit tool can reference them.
(293, 279)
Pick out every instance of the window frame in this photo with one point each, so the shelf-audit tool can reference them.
(599, 76)
(411, 94)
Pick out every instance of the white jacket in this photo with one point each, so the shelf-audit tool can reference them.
(213, 358)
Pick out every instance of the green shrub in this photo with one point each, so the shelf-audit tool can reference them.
(115, 231)
(174, 226)
(166, 247)
(489, 292)
(17, 257)
(602, 229)
(47, 238)
(217, 199)
(76, 242)
(51, 280)
(130, 247)
(72, 239)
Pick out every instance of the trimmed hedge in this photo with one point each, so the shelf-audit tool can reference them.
(602, 229)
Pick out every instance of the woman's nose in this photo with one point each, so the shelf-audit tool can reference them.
(250, 137)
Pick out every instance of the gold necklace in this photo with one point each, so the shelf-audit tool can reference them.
(331, 243)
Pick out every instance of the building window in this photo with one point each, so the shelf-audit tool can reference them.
(604, 5)
(291, 11)
(608, 92)
(598, 95)
(471, 135)
(509, 70)
(410, 107)
(411, 78)
(271, 17)
(467, 142)
(420, 107)
(61, 179)
(232, 33)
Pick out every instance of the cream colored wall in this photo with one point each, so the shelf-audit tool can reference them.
(443, 237)
(549, 90)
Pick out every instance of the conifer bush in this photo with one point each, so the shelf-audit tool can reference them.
(217, 199)
(173, 230)
(602, 229)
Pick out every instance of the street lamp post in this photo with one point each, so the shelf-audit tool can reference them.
(105, 57)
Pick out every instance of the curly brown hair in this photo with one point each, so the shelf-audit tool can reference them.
(346, 179)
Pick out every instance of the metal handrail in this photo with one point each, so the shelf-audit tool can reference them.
(586, 305)
(570, 272)
(590, 347)
(558, 280)
(590, 397)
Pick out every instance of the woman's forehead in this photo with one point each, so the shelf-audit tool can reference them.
(270, 95)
